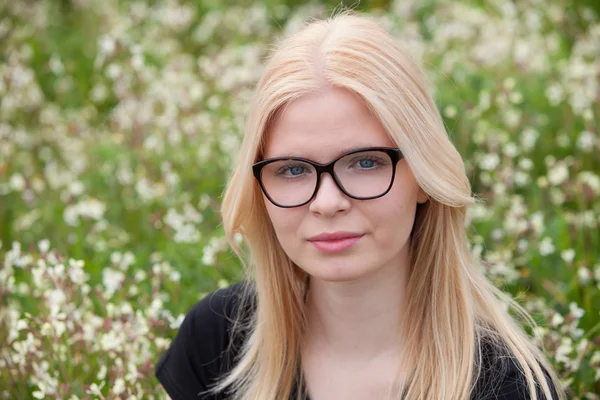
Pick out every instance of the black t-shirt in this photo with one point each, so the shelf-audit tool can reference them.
(198, 355)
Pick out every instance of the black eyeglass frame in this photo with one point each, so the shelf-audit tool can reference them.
(394, 153)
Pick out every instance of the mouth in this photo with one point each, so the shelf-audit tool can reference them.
(336, 245)
(335, 236)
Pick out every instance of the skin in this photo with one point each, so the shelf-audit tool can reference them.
(356, 297)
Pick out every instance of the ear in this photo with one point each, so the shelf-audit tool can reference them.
(422, 197)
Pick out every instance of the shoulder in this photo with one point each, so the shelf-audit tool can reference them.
(201, 353)
(501, 378)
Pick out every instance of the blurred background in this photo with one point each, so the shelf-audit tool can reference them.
(119, 122)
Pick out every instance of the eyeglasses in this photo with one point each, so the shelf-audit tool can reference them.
(362, 174)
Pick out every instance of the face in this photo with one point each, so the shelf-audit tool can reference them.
(320, 127)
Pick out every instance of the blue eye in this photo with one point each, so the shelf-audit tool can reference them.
(291, 170)
(366, 163)
(296, 170)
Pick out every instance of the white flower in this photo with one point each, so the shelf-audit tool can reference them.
(222, 283)
(489, 162)
(92, 208)
(38, 274)
(176, 323)
(21, 324)
(133, 291)
(17, 182)
(44, 245)
(521, 178)
(175, 276)
(512, 117)
(145, 189)
(173, 219)
(546, 246)
(106, 45)
(137, 61)
(528, 138)
(555, 94)
(537, 221)
(115, 257)
(110, 341)
(71, 215)
(187, 234)
(126, 309)
(59, 327)
(113, 71)
(102, 373)
(584, 275)
(576, 311)
(112, 280)
(511, 149)
(119, 386)
(208, 256)
(89, 208)
(76, 188)
(450, 111)
(558, 174)
(586, 141)
(46, 329)
(238, 238)
(156, 304)
(139, 275)
(55, 299)
(95, 389)
(568, 255)
(128, 260)
(99, 93)
(77, 275)
(590, 179)
(564, 350)
(497, 234)
(542, 182)
(595, 358)
(191, 214)
(525, 164)
(162, 343)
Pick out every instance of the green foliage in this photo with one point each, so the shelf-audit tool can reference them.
(119, 122)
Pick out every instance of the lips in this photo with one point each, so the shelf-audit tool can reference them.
(334, 236)
(335, 242)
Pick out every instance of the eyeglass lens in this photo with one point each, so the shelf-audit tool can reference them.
(362, 175)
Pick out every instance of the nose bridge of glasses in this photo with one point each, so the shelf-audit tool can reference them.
(323, 172)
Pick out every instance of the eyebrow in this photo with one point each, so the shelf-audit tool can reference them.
(337, 154)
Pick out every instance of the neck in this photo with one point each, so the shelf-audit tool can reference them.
(358, 319)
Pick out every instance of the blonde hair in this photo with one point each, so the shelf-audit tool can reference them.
(453, 310)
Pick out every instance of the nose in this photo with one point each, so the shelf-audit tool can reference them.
(329, 199)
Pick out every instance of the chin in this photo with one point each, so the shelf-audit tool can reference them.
(337, 278)
(336, 273)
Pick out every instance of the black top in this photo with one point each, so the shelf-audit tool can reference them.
(197, 357)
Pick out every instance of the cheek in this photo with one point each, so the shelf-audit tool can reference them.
(397, 210)
(285, 223)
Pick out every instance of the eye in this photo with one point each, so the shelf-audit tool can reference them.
(294, 170)
(368, 163)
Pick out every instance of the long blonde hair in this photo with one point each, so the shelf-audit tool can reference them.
(453, 310)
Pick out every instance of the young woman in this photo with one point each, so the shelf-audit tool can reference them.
(351, 200)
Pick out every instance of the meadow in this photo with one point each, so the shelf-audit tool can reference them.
(119, 122)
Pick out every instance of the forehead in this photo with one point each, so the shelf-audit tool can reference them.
(322, 125)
